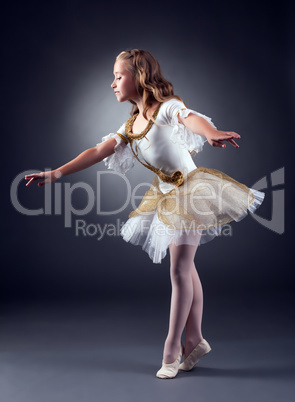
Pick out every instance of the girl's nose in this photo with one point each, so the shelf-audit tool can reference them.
(113, 84)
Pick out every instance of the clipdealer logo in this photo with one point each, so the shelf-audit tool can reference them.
(277, 221)
(63, 202)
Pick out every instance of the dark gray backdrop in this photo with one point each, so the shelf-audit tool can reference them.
(231, 62)
(83, 318)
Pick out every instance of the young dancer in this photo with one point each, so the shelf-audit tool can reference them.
(185, 206)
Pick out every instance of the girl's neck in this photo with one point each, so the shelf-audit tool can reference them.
(139, 104)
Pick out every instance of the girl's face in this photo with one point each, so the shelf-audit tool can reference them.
(124, 83)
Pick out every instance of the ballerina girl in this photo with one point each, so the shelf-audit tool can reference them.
(185, 206)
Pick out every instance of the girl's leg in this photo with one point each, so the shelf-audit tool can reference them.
(193, 327)
(181, 266)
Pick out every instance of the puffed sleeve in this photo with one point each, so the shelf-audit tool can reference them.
(122, 159)
(181, 134)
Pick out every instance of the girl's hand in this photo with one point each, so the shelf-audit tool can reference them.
(216, 138)
(46, 177)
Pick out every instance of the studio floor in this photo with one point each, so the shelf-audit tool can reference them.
(106, 351)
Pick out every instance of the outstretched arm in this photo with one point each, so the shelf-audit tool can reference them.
(215, 137)
(82, 161)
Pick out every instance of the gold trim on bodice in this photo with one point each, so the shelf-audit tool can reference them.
(177, 176)
(129, 124)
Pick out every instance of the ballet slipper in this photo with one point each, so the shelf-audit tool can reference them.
(170, 370)
(192, 360)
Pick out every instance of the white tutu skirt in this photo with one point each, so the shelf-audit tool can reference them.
(193, 213)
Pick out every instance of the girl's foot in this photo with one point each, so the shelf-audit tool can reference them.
(171, 351)
(190, 345)
(170, 370)
(192, 360)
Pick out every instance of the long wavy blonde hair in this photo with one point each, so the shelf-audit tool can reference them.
(150, 83)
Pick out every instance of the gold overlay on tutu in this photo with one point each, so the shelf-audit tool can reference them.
(207, 198)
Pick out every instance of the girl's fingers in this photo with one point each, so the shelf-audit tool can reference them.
(225, 135)
(218, 144)
(29, 182)
(232, 142)
(32, 177)
(233, 134)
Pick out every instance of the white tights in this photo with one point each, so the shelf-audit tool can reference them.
(186, 302)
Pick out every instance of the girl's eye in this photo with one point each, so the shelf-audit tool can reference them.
(118, 78)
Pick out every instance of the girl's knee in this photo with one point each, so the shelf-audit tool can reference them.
(180, 269)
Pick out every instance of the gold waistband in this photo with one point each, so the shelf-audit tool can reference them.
(176, 178)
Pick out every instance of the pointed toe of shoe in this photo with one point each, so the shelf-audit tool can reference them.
(164, 376)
